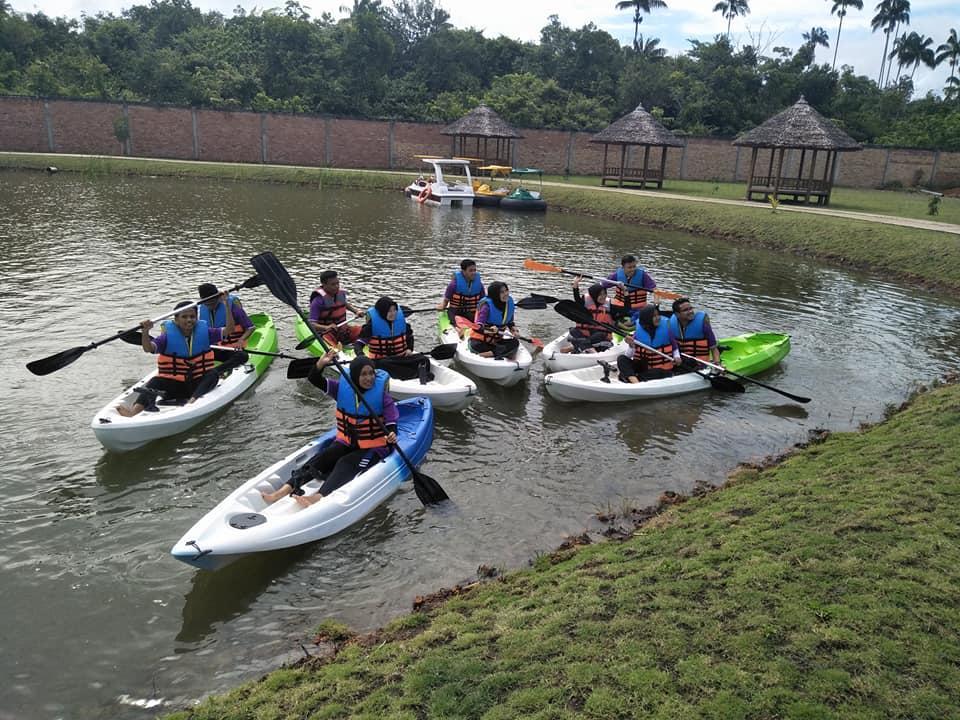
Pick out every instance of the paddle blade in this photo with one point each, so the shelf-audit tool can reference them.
(666, 294)
(444, 352)
(50, 364)
(306, 342)
(300, 368)
(428, 490)
(540, 267)
(725, 384)
(573, 311)
(277, 279)
(461, 322)
(132, 337)
(531, 303)
(254, 281)
(550, 299)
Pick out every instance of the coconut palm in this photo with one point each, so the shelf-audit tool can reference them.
(816, 36)
(638, 6)
(649, 48)
(731, 9)
(914, 49)
(899, 13)
(883, 20)
(840, 10)
(950, 51)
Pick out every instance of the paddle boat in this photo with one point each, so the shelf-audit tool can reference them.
(449, 184)
(243, 523)
(745, 354)
(449, 391)
(523, 199)
(499, 370)
(489, 191)
(121, 434)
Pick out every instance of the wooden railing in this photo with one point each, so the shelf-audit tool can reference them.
(613, 171)
(790, 184)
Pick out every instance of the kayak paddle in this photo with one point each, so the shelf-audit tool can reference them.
(284, 288)
(534, 302)
(544, 267)
(59, 360)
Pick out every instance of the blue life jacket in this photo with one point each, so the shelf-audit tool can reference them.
(692, 339)
(355, 423)
(386, 339)
(466, 295)
(494, 316)
(219, 318)
(661, 341)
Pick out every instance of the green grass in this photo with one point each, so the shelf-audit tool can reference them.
(823, 587)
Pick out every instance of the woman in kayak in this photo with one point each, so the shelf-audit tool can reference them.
(495, 315)
(362, 440)
(641, 363)
(588, 337)
(185, 360)
(389, 342)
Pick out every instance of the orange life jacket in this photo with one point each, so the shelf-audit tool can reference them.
(692, 339)
(356, 426)
(600, 313)
(661, 341)
(185, 359)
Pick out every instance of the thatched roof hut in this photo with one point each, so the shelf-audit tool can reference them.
(482, 123)
(799, 127)
(636, 128)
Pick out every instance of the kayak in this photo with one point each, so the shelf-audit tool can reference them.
(449, 391)
(121, 434)
(243, 523)
(745, 354)
(501, 371)
(557, 361)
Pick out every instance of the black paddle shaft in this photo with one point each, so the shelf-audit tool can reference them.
(284, 288)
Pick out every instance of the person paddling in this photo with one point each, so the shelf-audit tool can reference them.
(185, 360)
(361, 441)
(214, 313)
(589, 337)
(495, 315)
(328, 308)
(388, 341)
(640, 363)
(693, 333)
(632, 284)
(464, 292)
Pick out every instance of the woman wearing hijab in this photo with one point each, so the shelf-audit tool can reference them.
(590, 337)
(495, 314)
(388, 340)
(652, 334)
(363, 439)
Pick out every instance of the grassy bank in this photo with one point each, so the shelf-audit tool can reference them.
(925, 256)
(820, 587)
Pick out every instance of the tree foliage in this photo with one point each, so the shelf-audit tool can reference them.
(404, 60)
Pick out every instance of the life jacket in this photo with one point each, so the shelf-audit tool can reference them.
(601, 313)
(386, 339)
(693, 338)
(184, 360)
(333, 311)
(466, 295)
(660, 341)
(355, 425)
(637, 296)
(219, 320)
(494, 317)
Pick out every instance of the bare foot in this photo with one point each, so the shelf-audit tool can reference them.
(486, 353)
(308, 500)
(272, 497)
(634, 379)
(128, 412)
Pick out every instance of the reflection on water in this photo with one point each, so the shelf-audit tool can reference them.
(87, 534)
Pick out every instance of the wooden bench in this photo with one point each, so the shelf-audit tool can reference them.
(631, 176)
(798, 188)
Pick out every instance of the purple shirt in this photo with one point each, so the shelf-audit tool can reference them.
(160, 343)
(452, 288)
(483, 313)
(646, 281)
(240, 318)
(390, 413)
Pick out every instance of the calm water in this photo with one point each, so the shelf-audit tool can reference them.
(98, 619)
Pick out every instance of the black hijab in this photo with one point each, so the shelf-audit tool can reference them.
(356, 367)
(594, 291)
(493, 292)
(383, 305)
(645, 318)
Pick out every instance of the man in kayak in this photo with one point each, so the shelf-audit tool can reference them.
(185, 360)
(362, 440)
(214, 313)
(464, 292)
(632, 284)
(328, 309)
(495, 315)
(650, 342)
(693, 333)
(388, 341)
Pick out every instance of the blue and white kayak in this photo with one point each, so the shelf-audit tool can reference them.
(243, 523)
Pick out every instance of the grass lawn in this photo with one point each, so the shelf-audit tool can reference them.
(822, 587)
(899, 203)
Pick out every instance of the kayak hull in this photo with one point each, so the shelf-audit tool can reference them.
(747, 355)
(243, 524)
(557, 361)
(122, 434)
(502, 372)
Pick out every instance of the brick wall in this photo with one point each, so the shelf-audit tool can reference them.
(27, 124)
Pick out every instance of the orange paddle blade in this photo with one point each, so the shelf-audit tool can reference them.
(542, 267)
(666, 294)
(463, 322)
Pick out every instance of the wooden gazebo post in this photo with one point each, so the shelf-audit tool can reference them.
(482, 122)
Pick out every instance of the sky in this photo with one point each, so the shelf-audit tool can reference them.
(770, 23)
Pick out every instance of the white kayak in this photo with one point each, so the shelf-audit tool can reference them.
(588, 384)
(501, 371)
(243, 523)
(121, 434)
(555, 360)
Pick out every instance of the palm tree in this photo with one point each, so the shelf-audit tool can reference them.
(914, 49)
(649, 49)
(817, 36)
(950, 50)
(638, 5)
(731, 9)
(899, 15)
(840, 9)
(883, 20)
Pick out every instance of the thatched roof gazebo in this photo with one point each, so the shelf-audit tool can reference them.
(483, 123)
(799, 127)
(636, 128)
